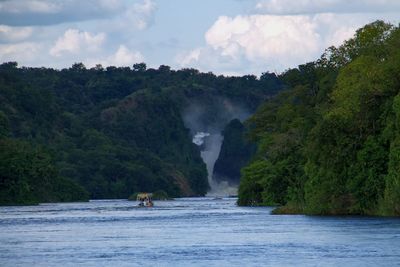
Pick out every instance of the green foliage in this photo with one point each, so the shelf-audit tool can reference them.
(4, 125)
(161, 195)
(330, 144)
(250, 187)
(235, 153)
(391, 203)
(113, 131)
(367, 177)
(28, 176)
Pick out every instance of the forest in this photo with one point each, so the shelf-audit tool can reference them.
(330, 143)
(79, 133)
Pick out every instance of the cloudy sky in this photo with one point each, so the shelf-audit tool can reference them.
(231, 37)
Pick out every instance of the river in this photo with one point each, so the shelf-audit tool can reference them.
(190, 232)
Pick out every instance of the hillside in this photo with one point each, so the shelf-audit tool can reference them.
(110, 132)
(330, 144)
(236, 152)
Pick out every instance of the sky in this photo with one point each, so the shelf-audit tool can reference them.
(229, 37)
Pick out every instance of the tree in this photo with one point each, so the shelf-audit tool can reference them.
(139, 67)
(4, 125)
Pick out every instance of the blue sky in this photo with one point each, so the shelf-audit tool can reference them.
(179, 25)
(231, 37)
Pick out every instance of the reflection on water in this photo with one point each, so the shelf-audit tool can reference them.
(190, 232)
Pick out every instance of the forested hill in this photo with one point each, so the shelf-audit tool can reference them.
(331, 143)
(76, 133)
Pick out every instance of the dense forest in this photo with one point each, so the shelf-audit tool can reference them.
(79, 133)
(330, 143)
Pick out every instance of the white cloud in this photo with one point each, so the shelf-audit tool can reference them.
(266, 37)
(122, 57)
(290, 7)
(257, 43)
(188, 58)
(14, 34)
(47, 43)
(336, 28)
(209, 59)
(74, 41)
(139, 15)
(142, 13)
(25, 51)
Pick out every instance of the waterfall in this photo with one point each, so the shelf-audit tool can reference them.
(206, 119)
(210, 147)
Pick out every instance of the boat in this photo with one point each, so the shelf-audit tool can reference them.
(145, 200)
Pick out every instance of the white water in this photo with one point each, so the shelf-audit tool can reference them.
(198, 138)
(212, 146)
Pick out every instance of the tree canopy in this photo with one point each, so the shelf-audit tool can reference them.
(330, 143)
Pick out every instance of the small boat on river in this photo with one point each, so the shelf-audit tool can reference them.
(145, 200)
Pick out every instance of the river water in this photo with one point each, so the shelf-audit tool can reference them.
(190, 232)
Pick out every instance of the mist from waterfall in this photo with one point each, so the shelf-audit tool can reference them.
(206, 127)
